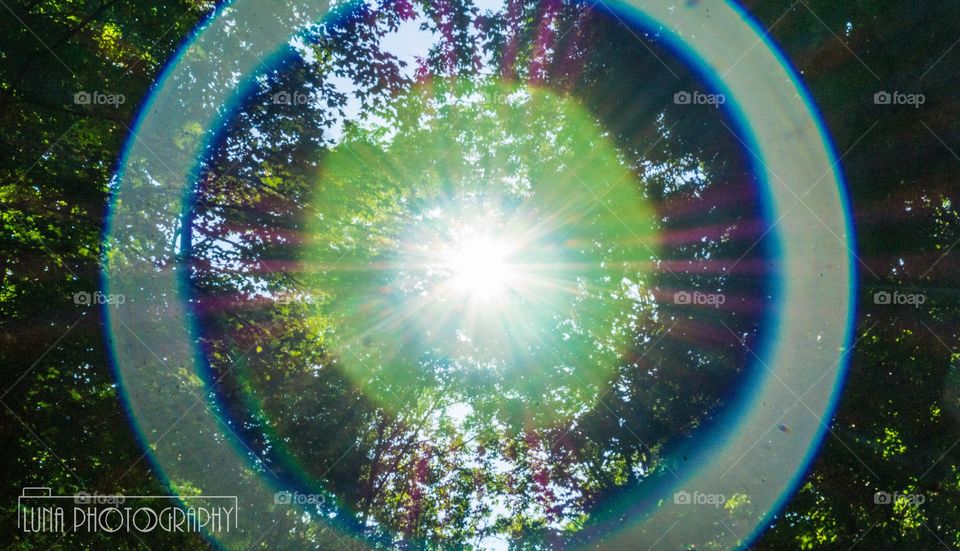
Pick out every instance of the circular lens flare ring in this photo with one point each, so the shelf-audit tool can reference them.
(760, 75)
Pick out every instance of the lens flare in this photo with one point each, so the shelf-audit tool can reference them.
(486, 259)
(422, 271)
(480, 267)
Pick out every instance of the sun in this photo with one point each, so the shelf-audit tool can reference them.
(521, 260)
(480, 267)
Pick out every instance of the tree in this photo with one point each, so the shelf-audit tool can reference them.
(470, 457)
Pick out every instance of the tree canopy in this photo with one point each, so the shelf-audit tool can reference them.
(367, 340)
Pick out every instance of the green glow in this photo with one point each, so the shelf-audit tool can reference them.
(497, 235)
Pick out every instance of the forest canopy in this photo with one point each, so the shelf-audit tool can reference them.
(464, 274)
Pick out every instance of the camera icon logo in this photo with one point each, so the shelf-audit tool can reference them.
(82, 298)
(882, 98)
(82, 498)
(882, 297)
(682, 498)
(82, 98)
(682, 297)
(283, 498)
(284, 97)
(882, 498)
(682, 98)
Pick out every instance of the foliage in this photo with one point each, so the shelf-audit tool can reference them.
(305, 417)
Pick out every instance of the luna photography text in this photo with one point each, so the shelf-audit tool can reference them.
(119, 514)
